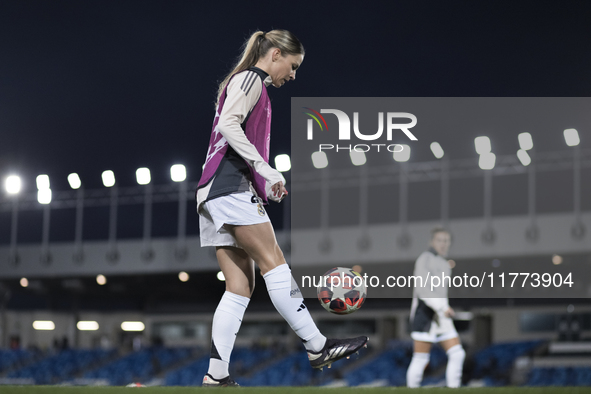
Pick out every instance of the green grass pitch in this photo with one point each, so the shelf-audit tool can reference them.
(285, 390)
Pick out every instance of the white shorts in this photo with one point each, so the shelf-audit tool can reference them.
(238, 209)
(439, 332)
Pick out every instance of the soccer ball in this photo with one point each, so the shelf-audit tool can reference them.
(342, 291)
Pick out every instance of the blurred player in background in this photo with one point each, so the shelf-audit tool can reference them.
(236, 181)
(431, 315)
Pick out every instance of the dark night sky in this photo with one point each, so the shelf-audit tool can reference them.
(87, 86)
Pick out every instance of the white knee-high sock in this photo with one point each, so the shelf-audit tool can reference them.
(455, 363)
(226, 323)
(414, 374)
(290, 304)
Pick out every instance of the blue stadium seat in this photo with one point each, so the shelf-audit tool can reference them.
(242, 361)
(493, 364)
(61, 366)
(292, 370)
(560, 376)
(139, 366)
(389, 365)
(12, 358)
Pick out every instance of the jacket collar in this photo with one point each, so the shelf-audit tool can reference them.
(263, 74)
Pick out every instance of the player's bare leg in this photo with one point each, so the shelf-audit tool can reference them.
(238, 269)
(422, 347)
(259, 242)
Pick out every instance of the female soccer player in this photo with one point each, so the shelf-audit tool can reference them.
(431, 315)
(236, 181)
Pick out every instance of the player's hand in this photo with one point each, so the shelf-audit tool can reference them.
(449, 313)
(279, 191)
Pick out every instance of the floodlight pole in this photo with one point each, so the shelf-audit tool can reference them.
(531, 175)
(14, 231)
(445, 191)
(325, 244)
(363, 186)
(45, 258)
(403, 194)
(488, 196)
(112, 252)
(324, 199)
(364, 241)
(577, 182)
(488, 235)
(578, 229)
(147, 252)
(79, 222)
(532, 232)
(404, 239)
(182, 216)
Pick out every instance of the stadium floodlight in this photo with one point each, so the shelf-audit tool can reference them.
(319, 159)
(44, 325)
(44, 196)
(178, 173)
(282, 163)
(437, 150)
(142, 175)
(401, 154)
(524, 157)
(101, 279)
(358, 157)
(108, 178)
(24, 282)
(487, 161)
(525, 141)
(571, 136)
(87, 325)
(221, 276)
(482, 145)
(13, 184)
(74, 181)
(183, 276)
(133, 326)
(42, 182)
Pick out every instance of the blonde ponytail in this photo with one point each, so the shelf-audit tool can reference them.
(257, 46)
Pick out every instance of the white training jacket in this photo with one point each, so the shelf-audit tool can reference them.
(428, 265)
(237, 106)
